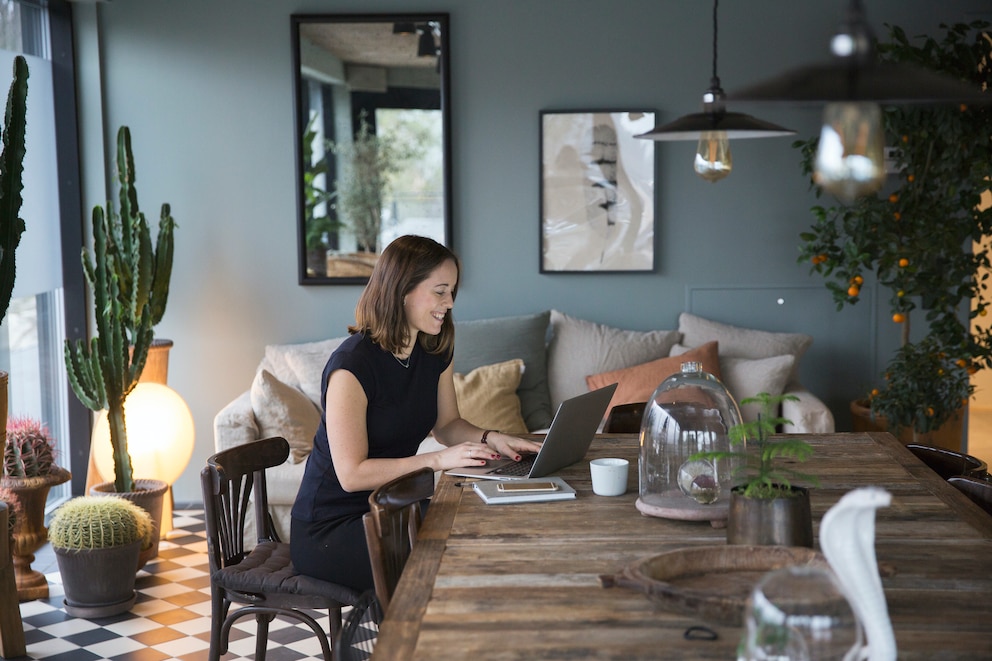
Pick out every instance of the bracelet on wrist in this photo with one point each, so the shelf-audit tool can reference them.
(485, 435)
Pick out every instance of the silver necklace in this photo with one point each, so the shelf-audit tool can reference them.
(405, 365)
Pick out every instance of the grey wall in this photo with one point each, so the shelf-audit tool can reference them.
(206, 88)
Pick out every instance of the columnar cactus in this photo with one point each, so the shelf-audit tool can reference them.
(96, 522)
(29, 450)
(11, 179)
(130, 284)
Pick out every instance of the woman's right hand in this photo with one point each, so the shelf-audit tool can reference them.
(465, 454)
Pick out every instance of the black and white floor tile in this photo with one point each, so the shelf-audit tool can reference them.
(170, 619)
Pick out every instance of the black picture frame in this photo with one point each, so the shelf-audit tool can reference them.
(356, 64)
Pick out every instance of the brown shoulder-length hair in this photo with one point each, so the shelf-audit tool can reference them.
(403, 264)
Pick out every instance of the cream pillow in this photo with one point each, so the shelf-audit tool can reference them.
(282, 410)
(579, 348)
(746, 378)
(487, 396)
(740, 342)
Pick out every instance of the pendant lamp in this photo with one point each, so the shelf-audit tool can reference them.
(714, 127)
(850, 159)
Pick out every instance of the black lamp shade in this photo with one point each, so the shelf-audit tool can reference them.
(425, 45)
(735, 124)
(880, 82)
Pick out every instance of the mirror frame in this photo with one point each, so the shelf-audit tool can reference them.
(443, 62)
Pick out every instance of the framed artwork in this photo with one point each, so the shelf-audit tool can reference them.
(597, 192)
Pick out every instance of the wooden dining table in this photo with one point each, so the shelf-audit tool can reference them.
(523, 581)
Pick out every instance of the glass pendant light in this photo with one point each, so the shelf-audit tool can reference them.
(850, 159)
(714, 127)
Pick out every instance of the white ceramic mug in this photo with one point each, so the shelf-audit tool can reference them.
(609, 476)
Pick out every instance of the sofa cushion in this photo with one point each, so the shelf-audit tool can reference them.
(638, 383)
(578, 348)
(738, 342)
(487, 396)
(745, 378)
(282, 410)
(300, 365)
(496, 340)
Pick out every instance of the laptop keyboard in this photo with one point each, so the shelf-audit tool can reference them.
(518, 468)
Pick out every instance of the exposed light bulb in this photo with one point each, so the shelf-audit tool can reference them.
(713, 159)
(850, 160)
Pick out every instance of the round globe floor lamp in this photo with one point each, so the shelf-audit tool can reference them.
(160, 432)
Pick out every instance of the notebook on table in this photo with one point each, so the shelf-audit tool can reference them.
(567, 441)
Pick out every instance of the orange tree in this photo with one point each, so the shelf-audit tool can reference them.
(916, 238)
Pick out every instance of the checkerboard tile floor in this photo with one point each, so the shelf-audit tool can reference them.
(170, 619)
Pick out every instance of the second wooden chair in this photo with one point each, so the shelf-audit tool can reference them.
(391, 527)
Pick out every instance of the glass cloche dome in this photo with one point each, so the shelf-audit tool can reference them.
(689, 412)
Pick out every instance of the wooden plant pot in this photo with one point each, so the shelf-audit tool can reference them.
(30, 533)
(95, 582)
(770, 522)
(948, 436)
(148, 495)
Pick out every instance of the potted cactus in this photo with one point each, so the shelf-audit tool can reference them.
(29, 471)
(129, 280)
(96, 539)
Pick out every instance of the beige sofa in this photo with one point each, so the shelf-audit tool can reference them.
(556, 352)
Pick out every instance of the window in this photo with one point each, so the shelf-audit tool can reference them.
(34, 329)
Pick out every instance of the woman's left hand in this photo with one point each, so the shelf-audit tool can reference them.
(510, 446)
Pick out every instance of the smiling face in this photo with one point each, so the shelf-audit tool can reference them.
(427, 304)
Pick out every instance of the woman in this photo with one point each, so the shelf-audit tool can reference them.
(385, 388)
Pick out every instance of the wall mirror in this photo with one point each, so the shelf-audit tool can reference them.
(372, 138)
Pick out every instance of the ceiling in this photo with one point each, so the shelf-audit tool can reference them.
(366, 43)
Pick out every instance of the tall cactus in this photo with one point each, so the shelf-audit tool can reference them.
(130, 284)
(11, 178)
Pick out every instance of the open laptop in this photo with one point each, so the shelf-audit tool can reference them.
(567, 441)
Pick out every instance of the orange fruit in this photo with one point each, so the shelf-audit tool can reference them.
(911, 178)
(859, 280)
(894, 198)
(905, 138)
(852, 291)
(961, 362)
(897, 216)
(900, 293)
(903, 263)
(898, 317)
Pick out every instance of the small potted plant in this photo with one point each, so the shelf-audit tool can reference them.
(97, 540)
(766, 507)
(29, 471)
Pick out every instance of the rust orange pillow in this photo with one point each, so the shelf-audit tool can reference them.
(638, 382)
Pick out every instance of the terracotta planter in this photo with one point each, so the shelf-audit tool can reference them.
(947, 436)
(94, 581)
(770, 522)
(149, 497)
(30, 533)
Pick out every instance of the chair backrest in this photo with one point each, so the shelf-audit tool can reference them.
(233, 482)
(980, 491)
(360, 630)
(625, 418)
(391, 527)
(948, 463)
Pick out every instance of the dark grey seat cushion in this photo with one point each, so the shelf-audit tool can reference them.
(267, 569)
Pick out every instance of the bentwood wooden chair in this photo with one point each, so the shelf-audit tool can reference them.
(391, 527)
(625, 418)
(12, 643)
(360, 630)
(980, 491)
(948, 463)
(263, 579)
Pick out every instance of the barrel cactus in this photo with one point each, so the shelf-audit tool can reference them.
(96, 522)
(29, 450)
(13, 507)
